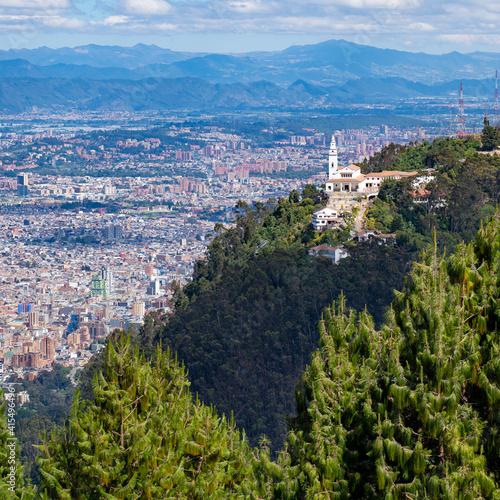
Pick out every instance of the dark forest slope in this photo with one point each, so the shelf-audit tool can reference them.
(247, 324)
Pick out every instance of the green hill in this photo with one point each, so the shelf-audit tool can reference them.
(247, 324)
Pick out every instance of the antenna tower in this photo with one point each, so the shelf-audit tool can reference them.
(461, 115)
(495, 103)
(451, 122)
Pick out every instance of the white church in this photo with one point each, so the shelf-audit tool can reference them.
(350, 179)
(345, 185)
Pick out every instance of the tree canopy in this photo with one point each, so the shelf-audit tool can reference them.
(143, 436)
(410, 410)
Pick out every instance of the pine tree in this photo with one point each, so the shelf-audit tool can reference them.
(143, 437)
(411, 410)
(12, 485)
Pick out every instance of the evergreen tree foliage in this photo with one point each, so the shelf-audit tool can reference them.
(143, 436)
(465, 188)
(490, 138)
(247, 324)
(410, 410)
(12, 485)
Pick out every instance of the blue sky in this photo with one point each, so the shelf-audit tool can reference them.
(246, 25)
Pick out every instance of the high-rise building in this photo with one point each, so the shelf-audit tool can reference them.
(138, 308)
(183, 155)
(113, 232)
(98, 286)
(154, 288)
(22, 185)
(107, 276)
(23, 308)
(33, 319)
(48, 347)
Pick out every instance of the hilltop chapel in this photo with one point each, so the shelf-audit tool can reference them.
(350, 179)
(345, 185)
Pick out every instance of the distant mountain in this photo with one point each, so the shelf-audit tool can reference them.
(334, 62)
(20, 68)
(18, 94)
(100, 56)
(21, 94)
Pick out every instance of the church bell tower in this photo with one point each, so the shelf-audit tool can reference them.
(333, 163)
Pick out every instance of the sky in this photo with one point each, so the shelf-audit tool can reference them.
(235, 26)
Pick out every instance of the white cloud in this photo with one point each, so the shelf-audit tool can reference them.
(469, 39)
(165, 27)
(34, 4)
(371, 4)
(114, 20)
(147, 7)
(461, 39)
(302, 23)
(421, 27)
(246, 6)
(64, 23)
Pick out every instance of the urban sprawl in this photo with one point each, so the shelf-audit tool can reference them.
(96, 228)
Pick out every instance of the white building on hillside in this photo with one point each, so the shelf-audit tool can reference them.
(334, 253)
(349, 179)
(323, 217)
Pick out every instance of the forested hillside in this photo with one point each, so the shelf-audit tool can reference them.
(246, 325)
(463, 188)
(408, 410)
(395, 406)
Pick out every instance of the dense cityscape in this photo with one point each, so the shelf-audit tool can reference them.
(82, 255)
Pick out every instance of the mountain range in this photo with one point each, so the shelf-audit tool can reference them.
(97, 77)
(332, 62)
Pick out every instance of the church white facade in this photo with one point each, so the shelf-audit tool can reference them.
(349, 179)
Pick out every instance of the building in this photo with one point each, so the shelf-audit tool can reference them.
(48, 348)
(95, 328)
(138, 309)
(98, 286)
(183, 155)
(350, 180)
(113, 232)
(27, 360)
(323, 217)
(33, 320)
(107, 276)
(23, 308)
(333, 160)
(333, 253)
(154, 288)
(377, 236)
(22, 397)
(22, 185)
